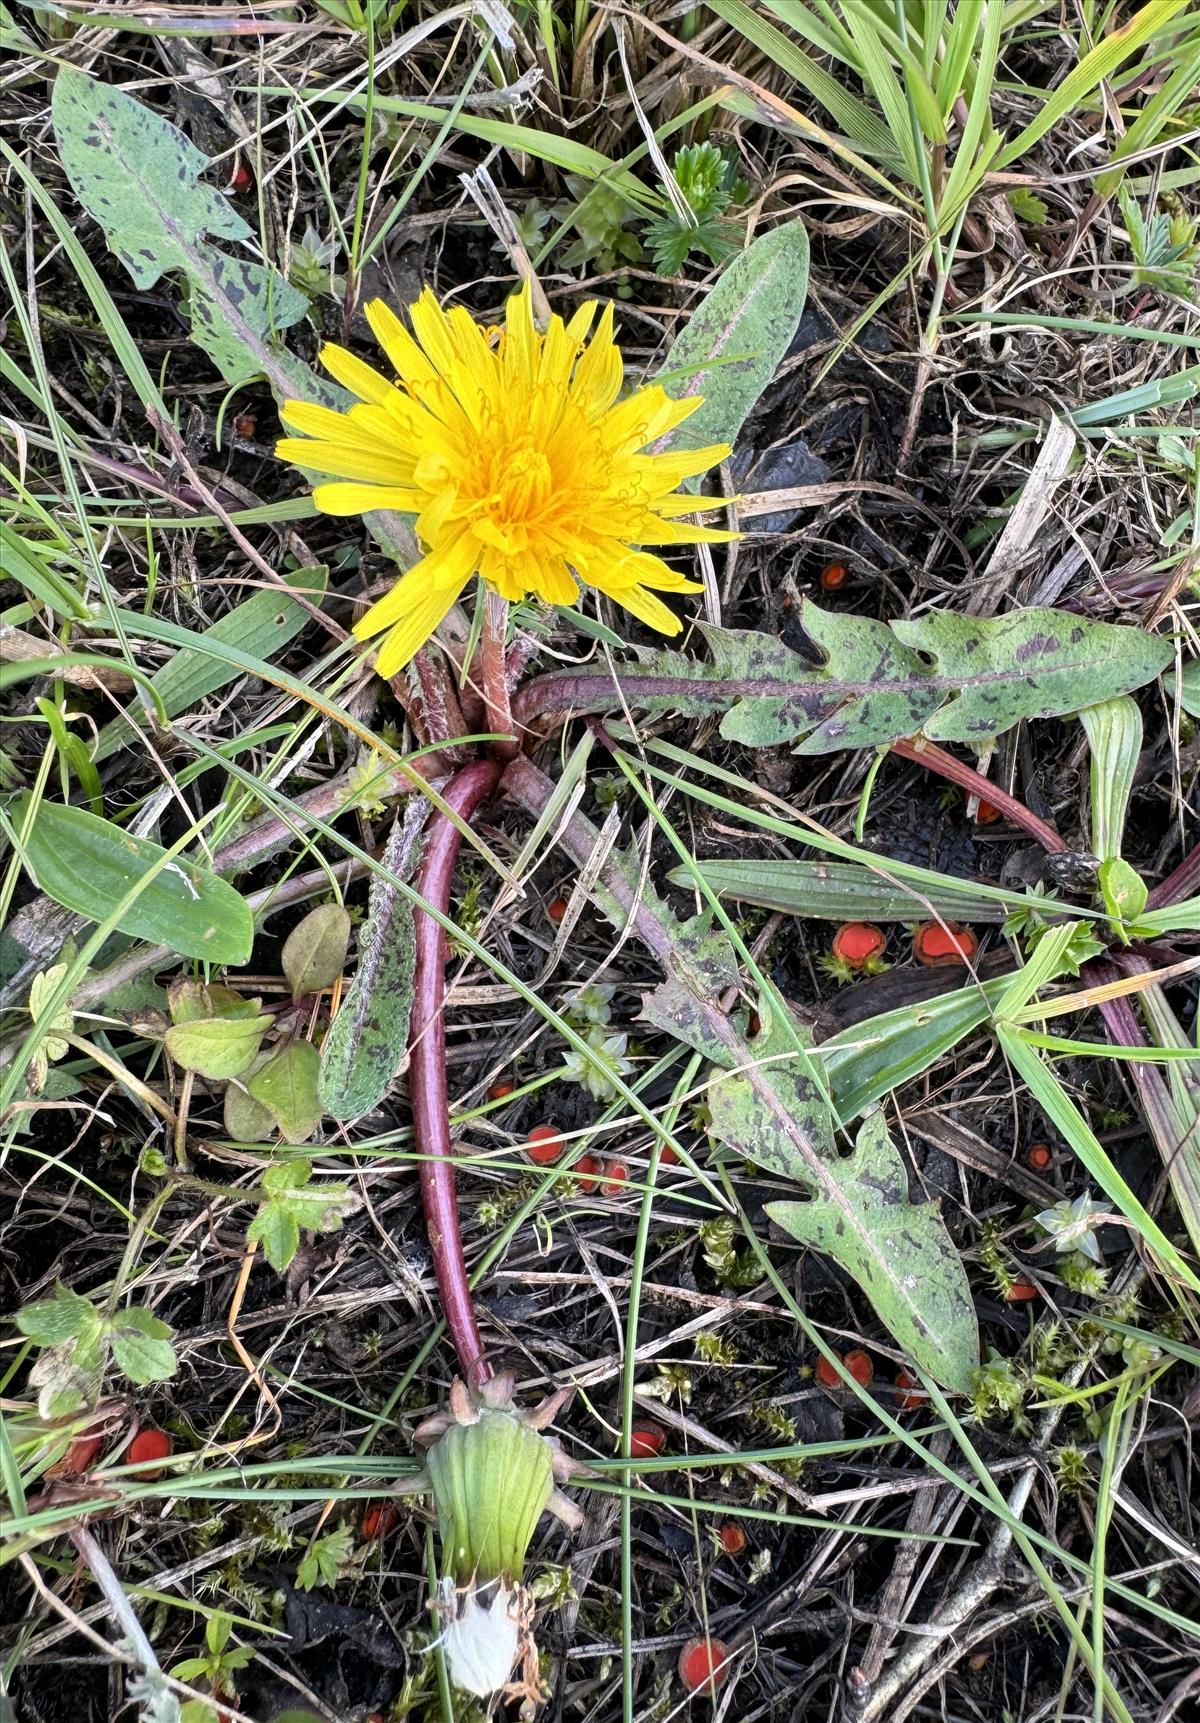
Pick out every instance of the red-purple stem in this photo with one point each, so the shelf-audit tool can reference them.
(936, 759)
(427, 1068)
(1184, 882)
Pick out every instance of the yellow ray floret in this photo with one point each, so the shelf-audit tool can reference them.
(518, 458)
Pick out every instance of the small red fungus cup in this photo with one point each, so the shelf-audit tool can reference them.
(646, 1440)
(150, 1444)
(544, 1146)
(703, 1664)
(939, 947)
(731, 1537)
(858, 944)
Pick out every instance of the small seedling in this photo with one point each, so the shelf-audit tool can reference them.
(217, 1665)
(709, 183)
(938, 946)
(703, 1664)
(1071, 1225)
(324, 1559)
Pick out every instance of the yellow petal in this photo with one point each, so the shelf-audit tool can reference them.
(646, 607)
(553, 581)
(683, 532)
(355, 374)
(356, 499)
(408, 636)
(442, 571)
(599, 373)
(432, 328)
(347, 461)
(522, 344)
(666, 472)
(406, 357)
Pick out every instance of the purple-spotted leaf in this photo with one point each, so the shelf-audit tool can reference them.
(140, 178)
(730, 347)
(898, 1251)
(865, 683)
(1028, 664)
(367, 1041)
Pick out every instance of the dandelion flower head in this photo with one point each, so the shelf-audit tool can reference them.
(518, 458)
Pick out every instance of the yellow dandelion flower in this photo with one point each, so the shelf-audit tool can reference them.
(517, 458)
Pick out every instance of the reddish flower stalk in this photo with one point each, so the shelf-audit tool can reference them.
(1184, 882)
(427, 1070)
(936, 759)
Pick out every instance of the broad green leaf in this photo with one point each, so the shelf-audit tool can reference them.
(1124, 891)
(314, 953)
(1186, 687)
(287, 1085)
(365, 1045)
(192, 1001)
(293, 1201)
(139, 177)
(870, 1059)
(61, 1317)
(898, 1252)
(731, 346)
(842, 891)
(323, 1560)
(772, 1112)
(90, 865)
(1114, 733)
(1028, 664)
(278, 1231)
(217, 1047)
(767, 1106)
(141, 1346)
(262, 626)
(956, 678)
(246, 1120)
(41, 990)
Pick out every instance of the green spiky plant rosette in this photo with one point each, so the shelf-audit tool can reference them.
(493, 1474)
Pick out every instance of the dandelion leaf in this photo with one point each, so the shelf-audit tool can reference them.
(861, 683)
(899, 1252)
(139, 177)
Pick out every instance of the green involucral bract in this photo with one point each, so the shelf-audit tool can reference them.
(491, 1481)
